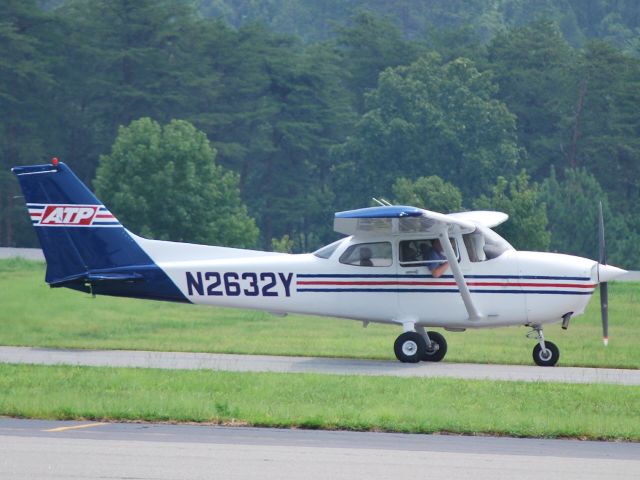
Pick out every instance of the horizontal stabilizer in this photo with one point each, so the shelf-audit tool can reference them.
(90, 278)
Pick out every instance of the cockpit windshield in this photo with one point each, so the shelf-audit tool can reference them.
(485, 244)
(494, 244)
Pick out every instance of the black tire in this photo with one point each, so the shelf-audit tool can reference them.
(438, 349)
(550, 358)
(410, 347)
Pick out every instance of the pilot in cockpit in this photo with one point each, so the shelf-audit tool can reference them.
(365, 257)
(435, 256)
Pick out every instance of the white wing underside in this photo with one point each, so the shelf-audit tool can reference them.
(486, 218)
(362, 222)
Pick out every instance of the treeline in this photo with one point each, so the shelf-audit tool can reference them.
(616, 21)
(524, 120)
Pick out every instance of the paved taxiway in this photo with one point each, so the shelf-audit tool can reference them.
(37, 449)
(336, 366)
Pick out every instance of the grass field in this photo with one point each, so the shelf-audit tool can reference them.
(32, 314)
(323, 401)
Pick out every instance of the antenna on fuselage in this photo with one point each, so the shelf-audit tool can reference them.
(382, 202)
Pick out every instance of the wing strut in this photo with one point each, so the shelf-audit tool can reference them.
(473, 312)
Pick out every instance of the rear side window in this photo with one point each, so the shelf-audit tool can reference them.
(376, 254)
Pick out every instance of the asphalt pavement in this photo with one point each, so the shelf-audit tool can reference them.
(334, 366)
(28, 253)
(39, 449)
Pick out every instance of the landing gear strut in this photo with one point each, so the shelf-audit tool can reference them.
(436, 345)
(411, 347)
(545, 353)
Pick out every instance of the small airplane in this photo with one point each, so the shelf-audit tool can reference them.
(399, 265)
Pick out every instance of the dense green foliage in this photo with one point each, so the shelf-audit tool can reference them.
(570, 205)
(164, 181)
(319, 105)
(429, 117)
(522, 203)
(431, 193)
(616, 21)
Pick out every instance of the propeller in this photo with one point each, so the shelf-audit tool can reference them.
(604, 287)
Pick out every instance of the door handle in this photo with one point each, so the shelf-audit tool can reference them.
(411, 271)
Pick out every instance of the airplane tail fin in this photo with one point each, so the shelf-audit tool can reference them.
(85, 246)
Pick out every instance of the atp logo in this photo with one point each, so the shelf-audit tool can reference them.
(69, 215)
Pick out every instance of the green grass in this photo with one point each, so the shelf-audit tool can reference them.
(322, 401)
(32, 314)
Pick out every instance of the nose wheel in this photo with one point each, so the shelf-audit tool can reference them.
(545, 353)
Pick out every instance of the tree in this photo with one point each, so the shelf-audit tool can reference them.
(25, 82)
(282, 245)
(607, 140)
(527, 224)
(572, 208)
(367, 47)
(452, 43)
(288, 108)
(532, 66)
(122, 60)
(431, 193)
(163, 182)
(428, 118)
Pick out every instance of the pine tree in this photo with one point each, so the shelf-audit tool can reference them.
(25, 82)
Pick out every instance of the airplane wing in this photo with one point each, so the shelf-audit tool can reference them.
(486, 218)
(398, 219)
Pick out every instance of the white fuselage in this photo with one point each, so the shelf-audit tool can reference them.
(515, 288)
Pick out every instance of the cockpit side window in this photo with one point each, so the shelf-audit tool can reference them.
(376, 254)
(421, 252)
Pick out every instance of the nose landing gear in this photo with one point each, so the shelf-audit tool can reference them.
(545, 353)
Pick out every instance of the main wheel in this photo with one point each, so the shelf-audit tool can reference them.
(410, 347)
(546, 358)
(438, 348)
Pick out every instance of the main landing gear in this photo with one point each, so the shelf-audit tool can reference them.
(545, 353)
(411, 347)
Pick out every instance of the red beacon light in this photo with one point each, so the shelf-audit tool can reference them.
(54, 161)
